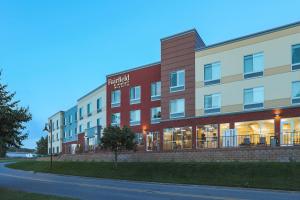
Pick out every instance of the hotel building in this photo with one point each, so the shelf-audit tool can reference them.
(92, 117)
(57, 132)
(70, 136)
(243, 92)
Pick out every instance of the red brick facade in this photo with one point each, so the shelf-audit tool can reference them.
(143, 77)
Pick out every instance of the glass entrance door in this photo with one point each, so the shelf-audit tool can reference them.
(152, 141)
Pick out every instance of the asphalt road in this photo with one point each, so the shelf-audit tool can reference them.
(94, 188)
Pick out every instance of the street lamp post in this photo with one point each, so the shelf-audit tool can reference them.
(48, 128)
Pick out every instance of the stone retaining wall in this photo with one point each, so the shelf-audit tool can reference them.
(269, 154)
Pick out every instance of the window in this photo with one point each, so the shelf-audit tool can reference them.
(71, 133)
(88, 125)
(75, 131)
(99, 105)
(177, 108)
(115, 98)
(89, 109)
(212, 103)
(65, 134)
(177, 138)
(80, 113)
(115, 119)
(80, 128)
(207, 136)
(135, 95)
(254, 65)
(70, 119)
(152, 141)
(212, 73)
(53, 127)
(135, 117)
(296, 57)
(98, 122)
(155, 91)
(177, 81)
(57, 139)
(254, 98)
(155, 115)
(75, 116)
(57, 124)
(296, 92)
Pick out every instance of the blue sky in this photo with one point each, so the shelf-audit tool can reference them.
(54, 52)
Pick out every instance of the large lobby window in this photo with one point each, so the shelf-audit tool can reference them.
(207, 136)
(155, 115)
(290, 131)
(212, 103)
(253, 98)
(155, 91)
(115, 119)
(212, 73)
(177, 108)
(296, 57)
(178, 138)
(152, 141)
(135, 95)
(135, 117)
(177, 81)
(254, 65)
(115, 98)
(252, 133)
(296, 92)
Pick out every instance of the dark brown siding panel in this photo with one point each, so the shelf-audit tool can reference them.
(176, 54)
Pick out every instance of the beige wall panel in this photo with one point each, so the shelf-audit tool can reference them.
(199, 84)
(277, 103)
(275, 87)
(233, 78)
(247, 42)
(199, 112)
(277, 71)
(277, 53)
(232, 108)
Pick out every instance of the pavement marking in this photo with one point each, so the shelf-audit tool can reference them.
(125, 189)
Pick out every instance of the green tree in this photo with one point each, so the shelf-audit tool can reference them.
(117, 140)
(12, 121)
(42, 146)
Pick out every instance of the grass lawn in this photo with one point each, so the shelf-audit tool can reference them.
(285, 176)
(17, 195)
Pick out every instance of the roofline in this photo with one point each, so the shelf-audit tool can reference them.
(133, 69)
(55, 114)
(280, 28)
(180, 34)
(71, 108)
(91, 92)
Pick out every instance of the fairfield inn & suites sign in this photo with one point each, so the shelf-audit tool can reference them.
(119, 82)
